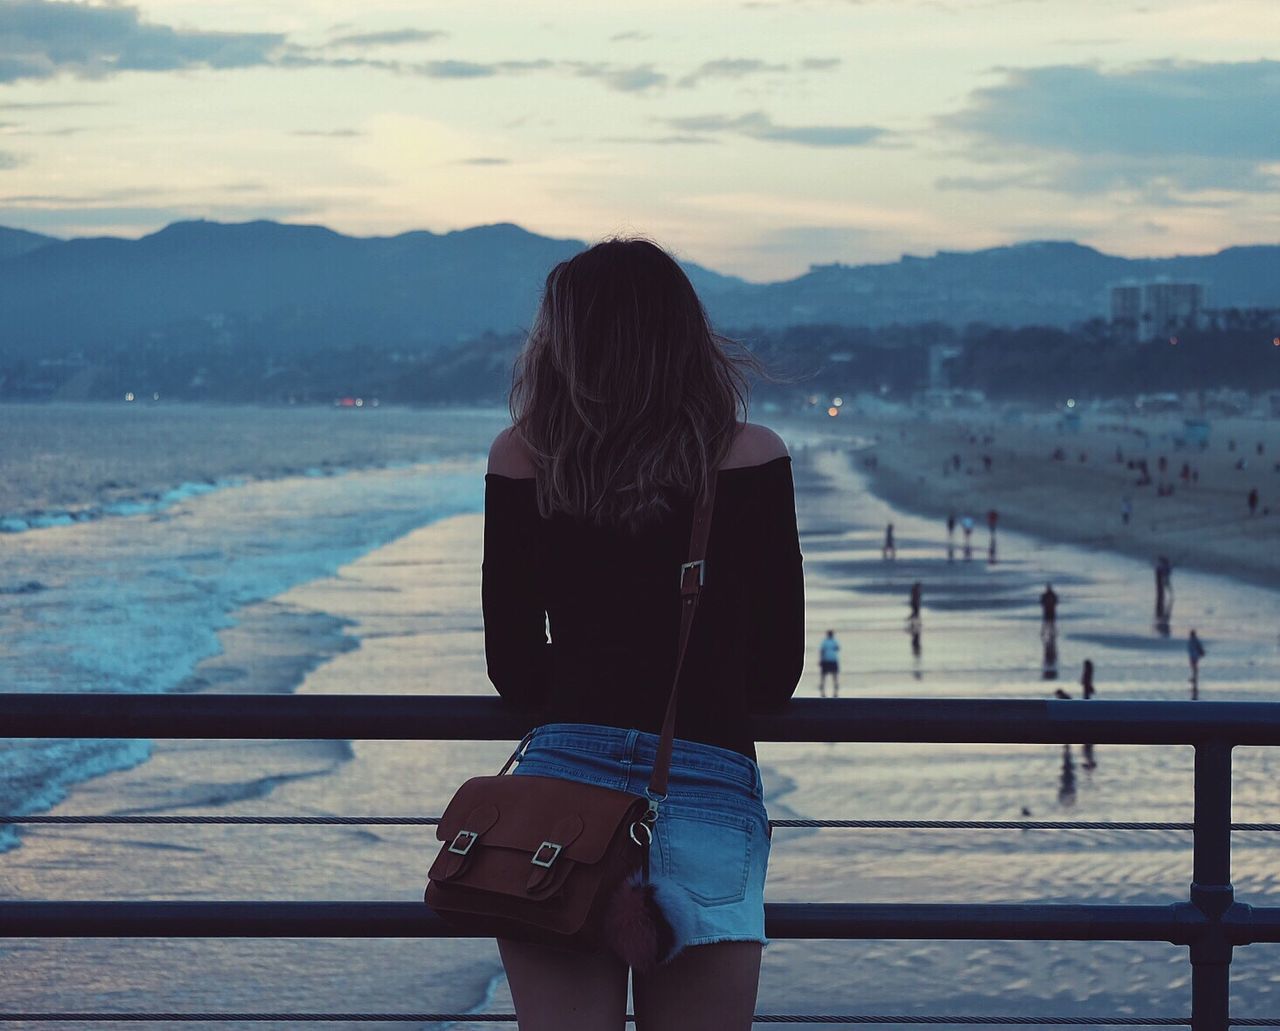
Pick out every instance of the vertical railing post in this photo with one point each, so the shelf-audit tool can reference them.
(1211, 890)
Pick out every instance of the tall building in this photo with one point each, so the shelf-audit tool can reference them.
(1156, 309)
(1169, 307)
(1126, 306)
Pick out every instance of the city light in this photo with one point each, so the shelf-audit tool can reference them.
(837, 401)
(1071, 402)
(1173, 341)
(129, 396)
(1275, 342)
(833, 411)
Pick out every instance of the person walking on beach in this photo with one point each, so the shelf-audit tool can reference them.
(914, 626)
(917, 593)
(1048, 608)
(889, 550)
(966, 524)
(951, 536)
(1086, 687)
(993, 517)
(1164, 592)
(1253, 501)
(1126, 511)
(1195, 652)
(829, 665)
(590, 496)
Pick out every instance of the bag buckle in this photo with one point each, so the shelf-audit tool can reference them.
(546, 863)
(700, 565)
(462, 842)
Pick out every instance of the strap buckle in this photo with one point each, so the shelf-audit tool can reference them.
(461, 847)
(700, 565)
(546, 863)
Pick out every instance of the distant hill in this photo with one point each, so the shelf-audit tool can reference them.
(315, 287)
(1040, 283)
(296, 289)
(14, 242)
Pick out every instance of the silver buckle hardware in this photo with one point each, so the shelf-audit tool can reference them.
(462, 842)
(700, 565)
(644, 828)
(546, 863)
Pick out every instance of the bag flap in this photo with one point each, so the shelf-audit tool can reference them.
(525, 811)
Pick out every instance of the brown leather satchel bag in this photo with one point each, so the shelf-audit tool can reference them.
(558, 862)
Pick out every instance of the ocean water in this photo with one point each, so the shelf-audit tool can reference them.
(314, 583)
(125, 585)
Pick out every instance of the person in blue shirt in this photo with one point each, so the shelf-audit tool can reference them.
(829, 663)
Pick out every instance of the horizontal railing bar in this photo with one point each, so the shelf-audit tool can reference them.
(222, 821)
(1250, 925)
(1179, 923)
(471, 718)
(510, 1018)
(432, 821)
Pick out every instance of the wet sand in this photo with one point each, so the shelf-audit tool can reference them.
(1204, 525)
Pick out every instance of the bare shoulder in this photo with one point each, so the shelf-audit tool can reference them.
(510, 456)
(754, 445)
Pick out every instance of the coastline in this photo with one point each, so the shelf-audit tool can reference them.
(1204, 525)
(212, 448)
(409, 614)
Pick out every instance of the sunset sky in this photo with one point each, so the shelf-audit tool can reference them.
(752, 137)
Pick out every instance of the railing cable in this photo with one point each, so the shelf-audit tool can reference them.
(510, 1018)
(431, 821)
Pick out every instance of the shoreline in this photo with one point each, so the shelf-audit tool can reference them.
(412, 609)
(98, 478)
(1204, 526)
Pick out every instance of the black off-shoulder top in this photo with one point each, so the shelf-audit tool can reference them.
(582, 622)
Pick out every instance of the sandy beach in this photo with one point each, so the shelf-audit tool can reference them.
(1079, 498)
(406, 618)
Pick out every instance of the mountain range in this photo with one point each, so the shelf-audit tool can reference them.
(308, 287)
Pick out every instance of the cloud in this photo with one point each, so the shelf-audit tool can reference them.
(46, 105)
(1162, 127)
(631, 36)
(40, 39)
(73, 199)
(730, 68)
(395, 37)
(759, 126)
(476, 69)
(328, 132)
(678, 139)
(21, 130)
(74, 220)
(10, 160)
(625, 79)
(988, 184)
(740, 67)
(484, 161)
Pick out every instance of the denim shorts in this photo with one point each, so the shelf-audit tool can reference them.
(711, 841)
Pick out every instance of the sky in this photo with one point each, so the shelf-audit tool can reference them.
(755, 137)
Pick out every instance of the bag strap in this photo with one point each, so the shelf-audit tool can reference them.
(693, 575)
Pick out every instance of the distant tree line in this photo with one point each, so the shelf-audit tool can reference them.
(204, 360)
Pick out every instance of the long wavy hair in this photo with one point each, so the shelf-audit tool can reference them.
(623, 393)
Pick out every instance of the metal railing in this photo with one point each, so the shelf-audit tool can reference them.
(1210, 922)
